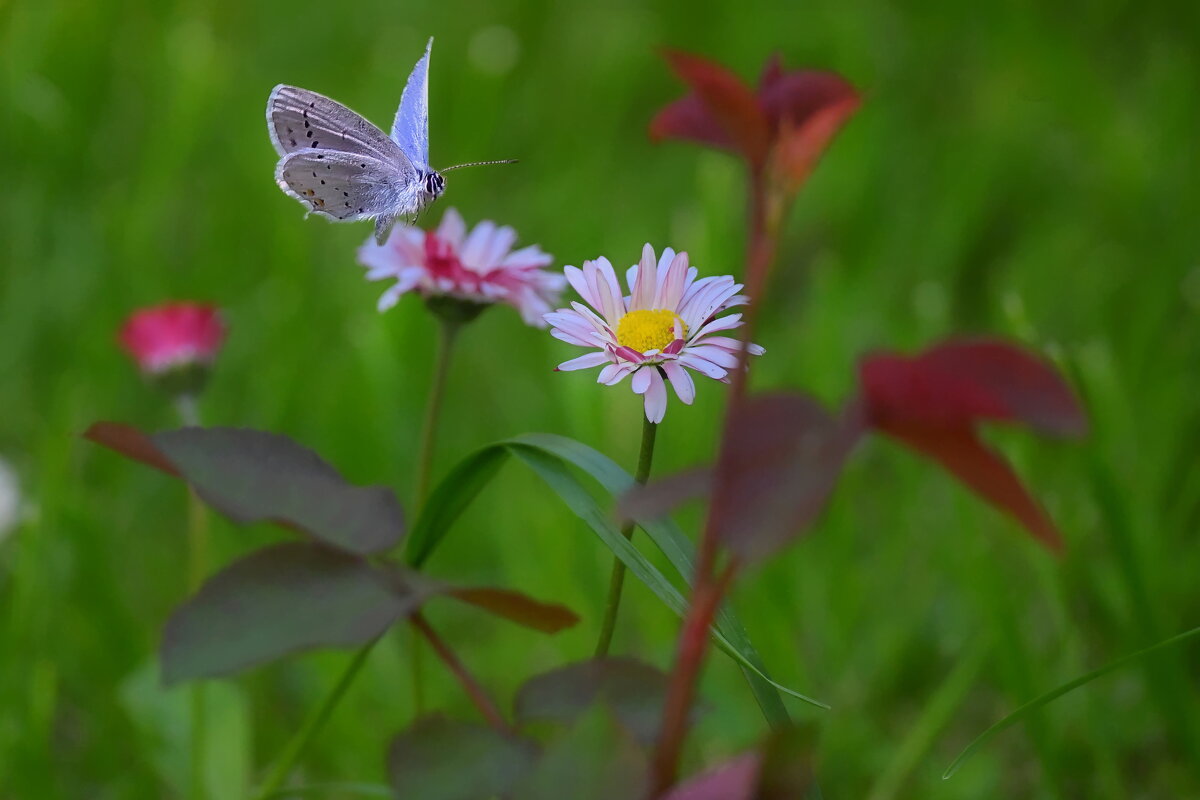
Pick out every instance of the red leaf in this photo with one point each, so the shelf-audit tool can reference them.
(729, 101)
(736, 779)
(957, 383)
(933, 401)
(987, 474)
(798, 96)
(689, 118)
(518, 608)
(781, 457)
(800, 145)
(131, 443)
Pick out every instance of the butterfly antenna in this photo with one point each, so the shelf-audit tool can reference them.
(480, 164)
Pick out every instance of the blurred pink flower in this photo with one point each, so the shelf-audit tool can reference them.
(173, 336)
(661, 330)
(477, 266)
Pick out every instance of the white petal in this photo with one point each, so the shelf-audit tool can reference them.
(584, 362)
(701, 365)
(578, 281)
(452, 228)
(656, 398)
(684, 387)
(670, 290)
(641, 380)
(613, 374)
(717, 355)
(643, 289)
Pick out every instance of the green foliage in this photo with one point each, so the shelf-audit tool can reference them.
(1026, 170)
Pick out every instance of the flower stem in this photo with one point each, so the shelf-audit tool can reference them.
(316, 718)
(197, 567)
(446, 336)
(616, 580)
(689, 657)
(292, 751)
(447, 333)
(477, 694)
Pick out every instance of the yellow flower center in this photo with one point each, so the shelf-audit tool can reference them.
(649, 329)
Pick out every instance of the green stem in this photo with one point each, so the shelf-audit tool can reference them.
(616, 581)
(197, 567)
(447, 331)
(316, 719)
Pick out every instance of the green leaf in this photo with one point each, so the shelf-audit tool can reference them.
(545, 454)
(276, 601)
(632, 690)
(675, 545)
(250, 476)
(1054, 694)
(441, 759)
(596, 760)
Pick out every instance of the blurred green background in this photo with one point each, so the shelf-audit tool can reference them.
(1025, 169)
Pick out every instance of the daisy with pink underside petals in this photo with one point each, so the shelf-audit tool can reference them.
(663, 328)
(478, 267)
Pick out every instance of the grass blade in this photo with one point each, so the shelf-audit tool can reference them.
(545, 455)
(1054, 694)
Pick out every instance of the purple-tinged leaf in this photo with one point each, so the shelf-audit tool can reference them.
(131, 443)
(781, 457)
(934, 401)
(736, 779)
(518, 608)
(441, 759)
(961, 382)
(729, 101)
(596, 760)
(280, 600)
(251, 476)
(987, 473)
(296, 596)
(632, 690)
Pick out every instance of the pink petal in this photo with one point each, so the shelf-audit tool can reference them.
(478, 242)
(563, 336)
(603, 283)
(719, 324)
(527, 258)
(684, 387)
(670, 292)
(641, 380)
(656, 397)
(629, 354)
(613, 374)
(452, 228)
(642, 292)
(579, 282)
(703, 366)
(717, 355)
(674, 347)
(584, 362)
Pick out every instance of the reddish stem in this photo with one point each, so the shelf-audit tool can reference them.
(765, 213)
(693, 645)
(474, 691)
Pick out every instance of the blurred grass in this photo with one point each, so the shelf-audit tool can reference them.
(1018, 168)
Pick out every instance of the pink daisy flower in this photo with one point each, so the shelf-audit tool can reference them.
(173, 336)
(479, 266)
(662, 329)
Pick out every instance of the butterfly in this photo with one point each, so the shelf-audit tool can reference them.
(339, 165)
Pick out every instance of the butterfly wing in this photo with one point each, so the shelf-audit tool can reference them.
(298, 119)
(410, 130)
(347, 187)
